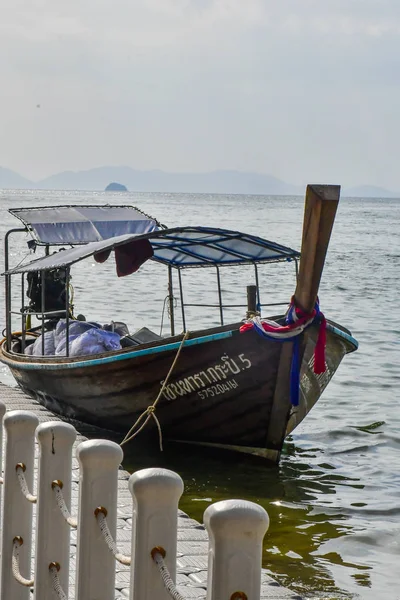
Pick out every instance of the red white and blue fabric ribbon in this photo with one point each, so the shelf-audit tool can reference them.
(296, 321)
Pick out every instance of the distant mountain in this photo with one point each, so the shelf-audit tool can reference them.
(10, 180)
(368, 191)
(217, 182)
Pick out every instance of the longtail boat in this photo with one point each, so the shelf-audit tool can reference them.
(240, 386)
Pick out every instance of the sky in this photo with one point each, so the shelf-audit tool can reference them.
(305, 90)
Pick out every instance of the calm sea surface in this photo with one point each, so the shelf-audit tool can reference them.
(334, 500)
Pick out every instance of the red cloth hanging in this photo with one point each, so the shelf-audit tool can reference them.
(128, 257)
(131, 256)
(101, 257)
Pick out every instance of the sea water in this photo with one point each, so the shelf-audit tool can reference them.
(334, 500)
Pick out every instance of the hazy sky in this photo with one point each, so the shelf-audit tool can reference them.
(305, 90)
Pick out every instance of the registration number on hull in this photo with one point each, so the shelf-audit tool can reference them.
(215, 380)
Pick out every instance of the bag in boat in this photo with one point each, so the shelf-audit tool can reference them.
(84, 338)
(36, 349)
(76, 329)
(95, 341)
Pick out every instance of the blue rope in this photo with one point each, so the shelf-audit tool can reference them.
(295, 364)
(295, 373)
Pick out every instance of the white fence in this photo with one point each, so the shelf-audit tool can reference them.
(235, 527)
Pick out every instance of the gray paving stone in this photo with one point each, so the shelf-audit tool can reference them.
(192, 535)
(197, 562)
(192, 548)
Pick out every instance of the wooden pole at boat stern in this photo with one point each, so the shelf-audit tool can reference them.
(321, 203)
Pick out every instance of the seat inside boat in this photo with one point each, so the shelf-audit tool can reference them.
(141, 336)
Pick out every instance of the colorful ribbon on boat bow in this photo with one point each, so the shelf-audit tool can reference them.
(296, 321)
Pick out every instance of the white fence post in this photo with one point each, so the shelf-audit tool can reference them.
(236, 529)
(156, 494)
(20, 427)
(2, 413)
(56, 440)
(99, 461)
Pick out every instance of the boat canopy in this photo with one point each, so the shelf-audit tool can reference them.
(179, 247)
(59, 225)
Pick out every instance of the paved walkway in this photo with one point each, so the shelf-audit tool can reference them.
(192, 537)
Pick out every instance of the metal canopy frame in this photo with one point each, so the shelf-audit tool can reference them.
(221, 306)
(160, 239)
(194, 246)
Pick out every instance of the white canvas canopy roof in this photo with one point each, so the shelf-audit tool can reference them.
(60, 225)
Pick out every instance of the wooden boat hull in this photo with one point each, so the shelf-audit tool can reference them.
(226, 389)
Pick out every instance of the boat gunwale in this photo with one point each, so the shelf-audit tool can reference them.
(25, 362)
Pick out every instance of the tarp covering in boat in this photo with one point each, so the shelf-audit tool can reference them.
(178, 247)
(84, 338)
(83, 224)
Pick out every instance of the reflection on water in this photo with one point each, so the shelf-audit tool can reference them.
(299, 525)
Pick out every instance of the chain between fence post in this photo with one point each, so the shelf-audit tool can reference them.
(17, 542)
(20, 469)
(54, 567)
(101, 515)
(158, 555)
(57, 486)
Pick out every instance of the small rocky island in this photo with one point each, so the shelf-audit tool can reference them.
(116, 187)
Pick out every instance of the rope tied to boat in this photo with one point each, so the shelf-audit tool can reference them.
(20, 470)
(296, 321)
(54, 567)
(158, 555)
(57, 486)
(150, 411)
(101, 517)
(17, 543)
